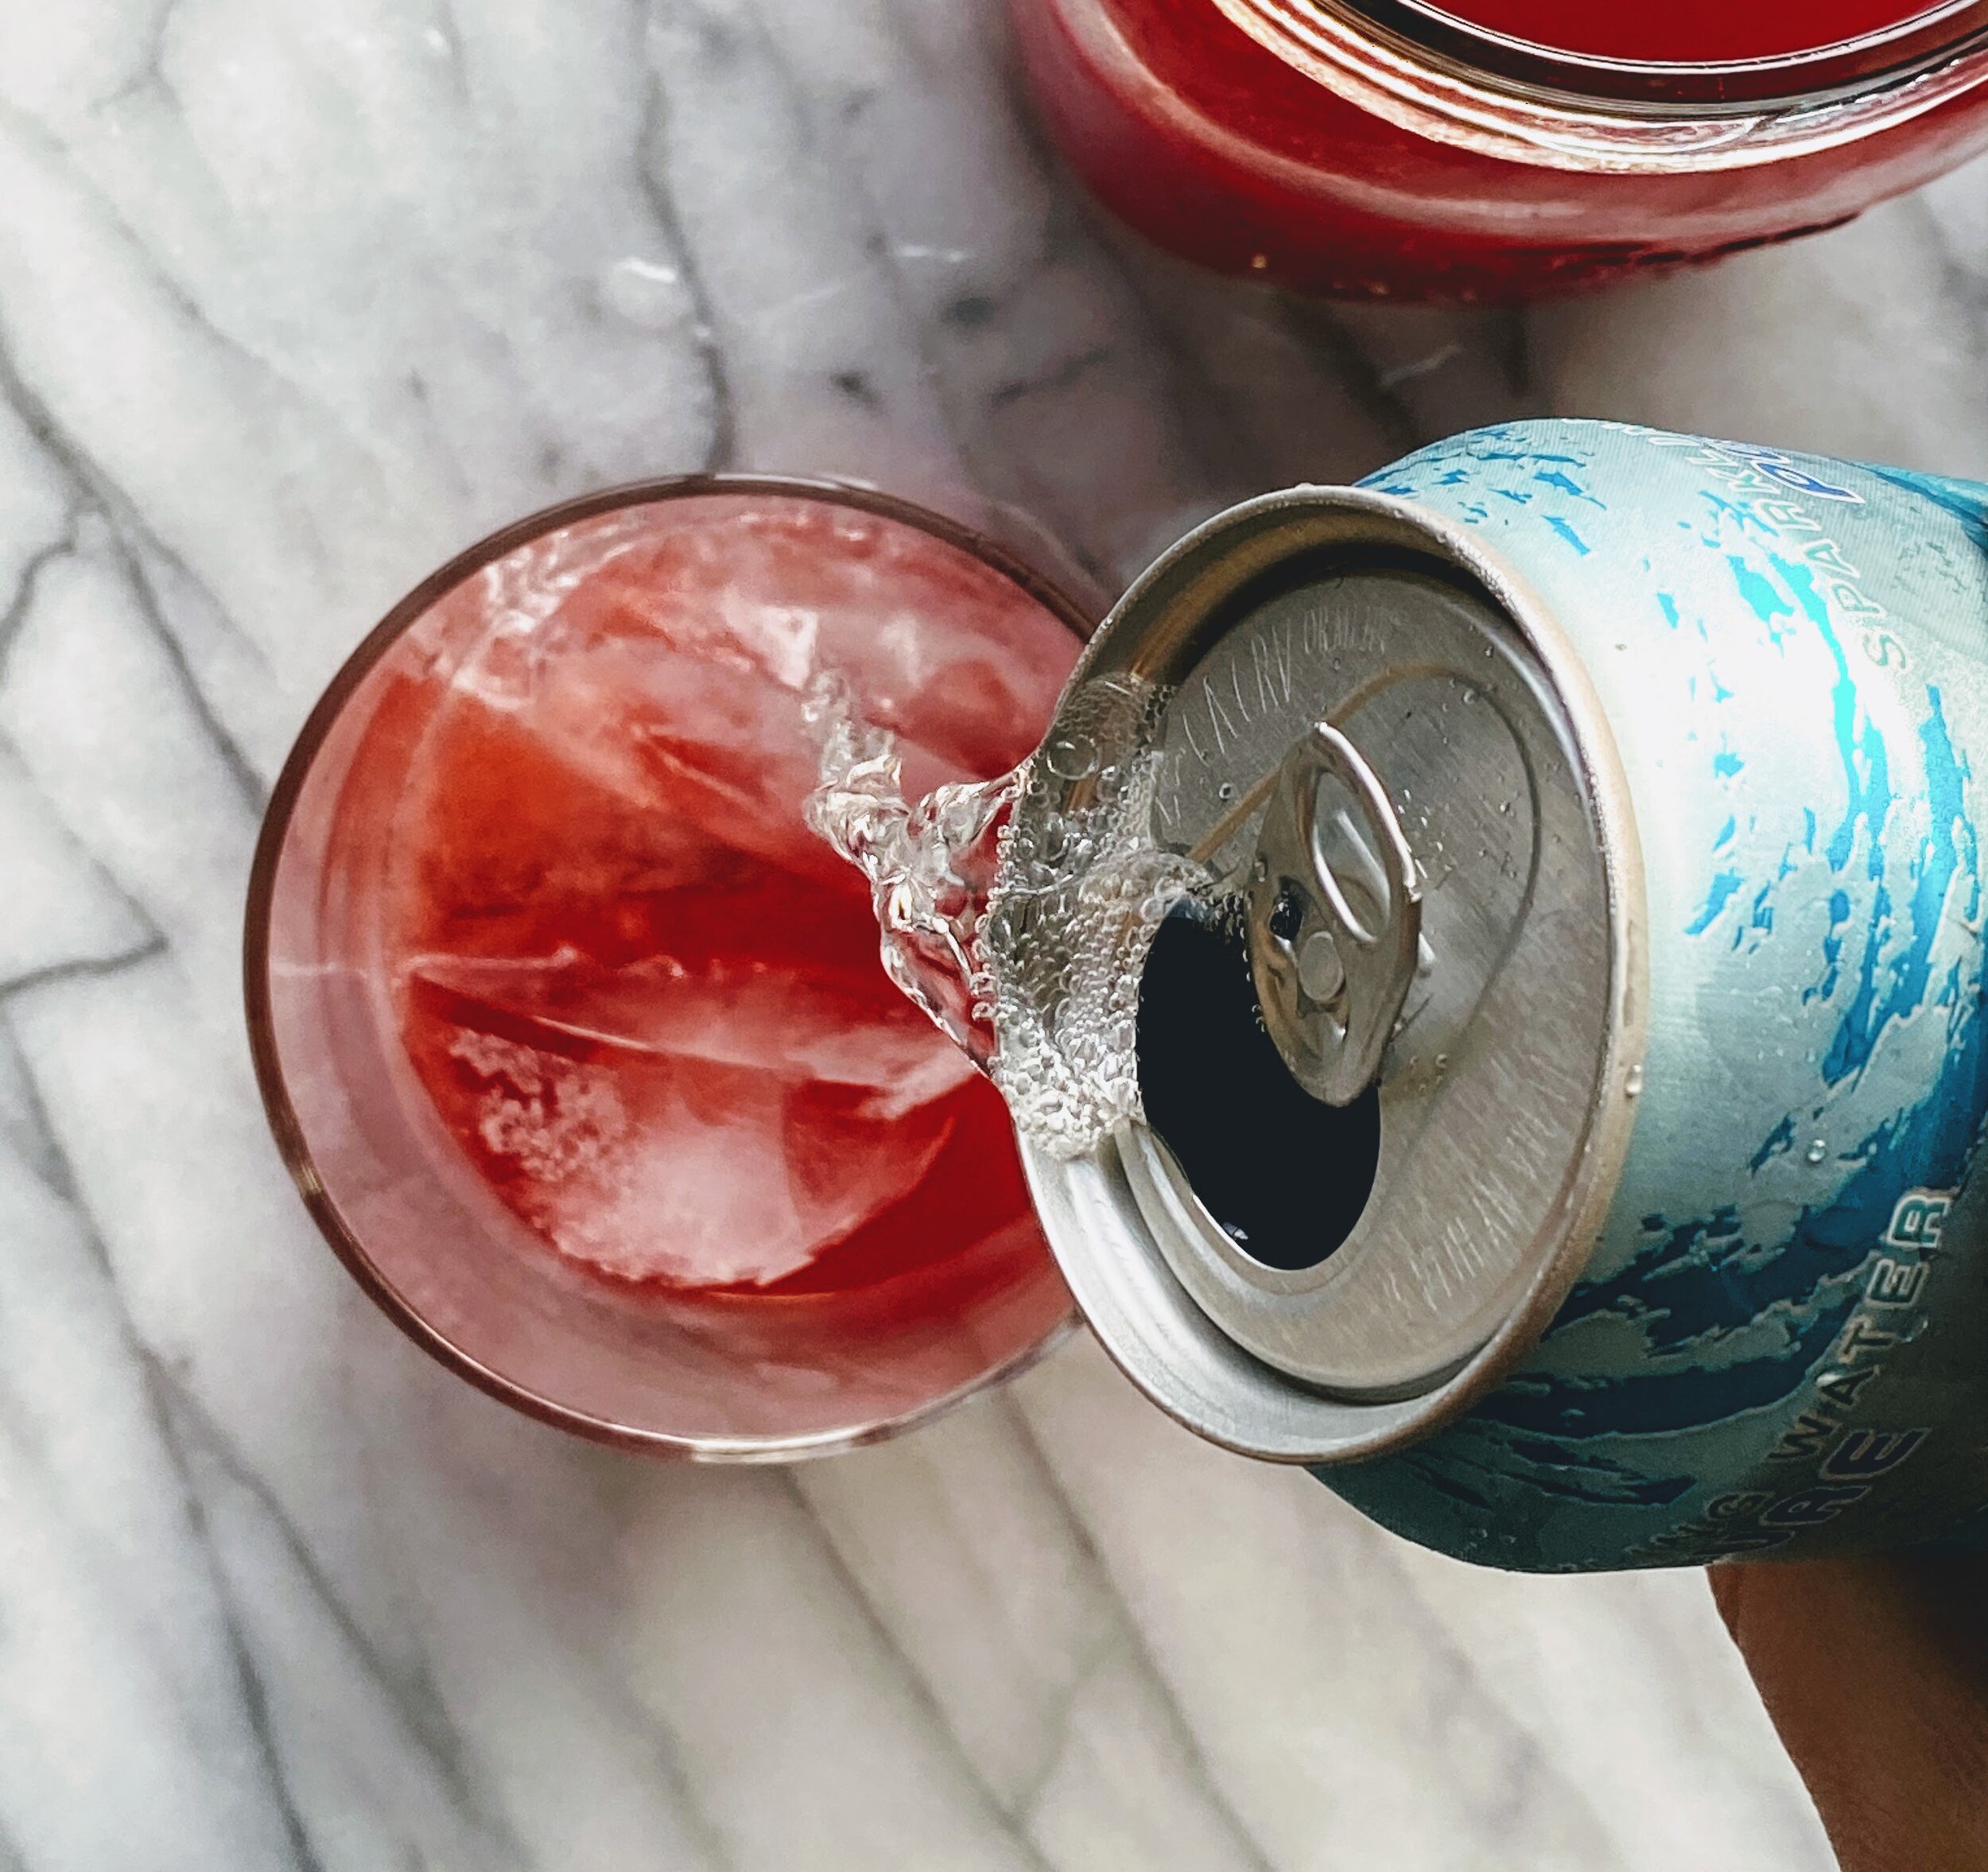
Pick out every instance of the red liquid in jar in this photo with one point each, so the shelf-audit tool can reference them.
(645, 1001)
(1706, 31)
(1215, 147)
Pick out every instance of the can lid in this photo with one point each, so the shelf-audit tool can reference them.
(1387, 1067)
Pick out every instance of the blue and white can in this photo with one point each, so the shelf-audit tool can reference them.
(1563, 1143)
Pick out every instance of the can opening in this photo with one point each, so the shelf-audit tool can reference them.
(1284, 1174)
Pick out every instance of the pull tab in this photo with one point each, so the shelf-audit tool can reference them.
(1335, 916)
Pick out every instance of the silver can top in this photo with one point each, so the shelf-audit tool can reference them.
(1387, 1067)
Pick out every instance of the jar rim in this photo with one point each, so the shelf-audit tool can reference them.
(1522, 103)
(1424, 30)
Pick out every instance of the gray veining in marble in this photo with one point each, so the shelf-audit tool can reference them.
(297, 297)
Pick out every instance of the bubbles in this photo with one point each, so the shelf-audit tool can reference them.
(1632, 1082)
(1017, 912)
(1817, 1152)
(1080, 893)
(930, 865)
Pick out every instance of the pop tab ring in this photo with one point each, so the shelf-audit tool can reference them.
(1333, 955)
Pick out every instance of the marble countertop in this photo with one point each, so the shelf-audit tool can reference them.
(295, 301)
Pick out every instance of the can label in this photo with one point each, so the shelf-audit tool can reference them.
(1780, 1343)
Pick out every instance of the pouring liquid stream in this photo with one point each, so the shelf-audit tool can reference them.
(1017, 912)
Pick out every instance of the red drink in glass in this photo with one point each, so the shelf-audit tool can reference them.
(1497, 149)
(576, 1037)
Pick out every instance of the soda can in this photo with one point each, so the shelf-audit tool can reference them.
(1561, 1141)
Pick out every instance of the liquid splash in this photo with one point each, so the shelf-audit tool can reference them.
(1017, 912)
(931, 864)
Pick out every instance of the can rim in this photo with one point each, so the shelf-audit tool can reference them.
(1078, 1200)
(280, 1112)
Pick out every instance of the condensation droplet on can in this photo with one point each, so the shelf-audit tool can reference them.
(1226, 790)
(1817, 1150)
(1071, 757)
(1632, 1082)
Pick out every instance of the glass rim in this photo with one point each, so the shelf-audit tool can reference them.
(1815, 77)
(280, 1111)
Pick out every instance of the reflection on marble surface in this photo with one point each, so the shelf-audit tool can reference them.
(296, 300)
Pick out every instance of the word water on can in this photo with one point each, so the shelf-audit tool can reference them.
(1555, 1119)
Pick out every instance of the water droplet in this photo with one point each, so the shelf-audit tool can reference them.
(1443, 1062)
(1506, 806)
(1469, 695)
(1071, 757)
(1817, 1150)
(648, 293)
(1226, 790)
(1632, 1081)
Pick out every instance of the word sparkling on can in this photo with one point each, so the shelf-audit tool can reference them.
(1557, 1115)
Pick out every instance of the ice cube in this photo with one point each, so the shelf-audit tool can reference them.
(790, 1025)
(643, 996)
(730, 1179)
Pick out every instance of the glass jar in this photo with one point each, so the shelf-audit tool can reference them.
(1387, 150)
